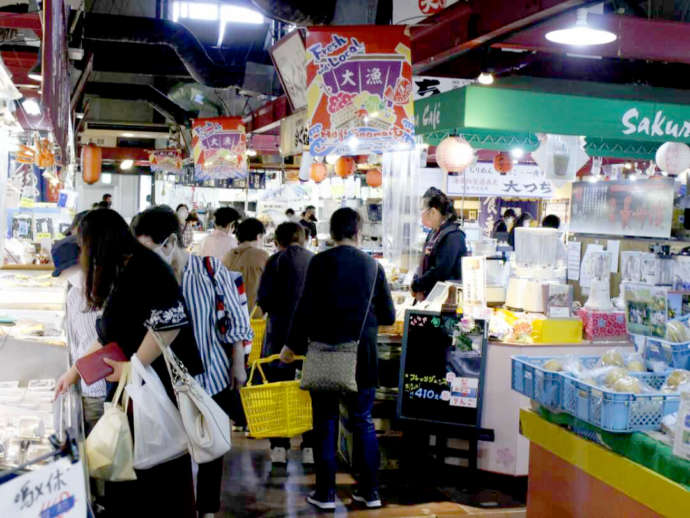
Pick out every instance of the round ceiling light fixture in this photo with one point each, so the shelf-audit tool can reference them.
(581, 34)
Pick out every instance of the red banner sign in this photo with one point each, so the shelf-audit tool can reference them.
(359, 90)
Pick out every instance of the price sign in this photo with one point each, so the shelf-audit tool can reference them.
(55, 490)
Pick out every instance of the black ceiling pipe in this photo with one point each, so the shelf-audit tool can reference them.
(298, 12)
(140, 92)
(149, 31)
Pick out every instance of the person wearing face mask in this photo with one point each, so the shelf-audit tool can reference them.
(80, 323)
(186, 226)
(445, 245)
(504, 224)
(204, 281)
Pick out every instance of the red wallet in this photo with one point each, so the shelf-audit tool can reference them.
(92, 368)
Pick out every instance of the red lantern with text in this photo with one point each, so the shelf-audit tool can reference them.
(374, 178)
(503, 163)
(91, 161)
(318, 172)
(344, 166)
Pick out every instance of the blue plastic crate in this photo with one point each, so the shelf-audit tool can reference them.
(676, 355)
(618, 412)
(544, 386)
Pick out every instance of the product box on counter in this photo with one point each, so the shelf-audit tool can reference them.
(603, 325)
(557, 331)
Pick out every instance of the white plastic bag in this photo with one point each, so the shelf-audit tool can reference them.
(158, 432)
(109, 445)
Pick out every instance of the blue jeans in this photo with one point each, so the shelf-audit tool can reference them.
(366, 457)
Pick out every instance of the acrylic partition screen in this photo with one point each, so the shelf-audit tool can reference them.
(401, 209)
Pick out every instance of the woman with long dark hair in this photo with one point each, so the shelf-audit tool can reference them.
(139, 296)
(444, 247)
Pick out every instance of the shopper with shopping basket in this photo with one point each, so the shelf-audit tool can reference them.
(345, 298)
(220, 323)
(279, 291)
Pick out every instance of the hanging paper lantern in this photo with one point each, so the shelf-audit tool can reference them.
(344, 166)
(374, 178)
(454, 154)
(318, 172)
(673, 157)
(503, 163)
(91, 160)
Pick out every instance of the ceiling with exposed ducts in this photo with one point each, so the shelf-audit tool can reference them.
(142, 66)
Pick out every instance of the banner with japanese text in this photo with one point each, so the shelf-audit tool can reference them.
(166, 161)
(219, 145)
(359, 90)
(642, 208)
(482, 179)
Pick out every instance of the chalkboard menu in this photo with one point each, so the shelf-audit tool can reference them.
(441, 370)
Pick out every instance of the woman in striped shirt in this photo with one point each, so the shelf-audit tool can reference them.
(207, 287)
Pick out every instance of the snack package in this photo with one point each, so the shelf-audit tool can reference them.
(677, 381)
(677, 331)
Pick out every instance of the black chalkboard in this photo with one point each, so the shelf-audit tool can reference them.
(441, 369)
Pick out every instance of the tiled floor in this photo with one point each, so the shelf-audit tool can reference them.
(252, 488)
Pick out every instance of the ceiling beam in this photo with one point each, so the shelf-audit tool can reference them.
(30, 21)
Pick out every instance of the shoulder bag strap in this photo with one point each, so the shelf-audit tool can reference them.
(371, 298)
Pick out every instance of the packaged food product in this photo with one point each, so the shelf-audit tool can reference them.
(677, 381)
(612, 357)
(677, 331)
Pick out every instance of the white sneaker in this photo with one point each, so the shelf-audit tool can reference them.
(308, 456)
(278, 455)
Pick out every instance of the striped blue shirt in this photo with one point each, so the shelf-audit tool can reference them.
(199, 295)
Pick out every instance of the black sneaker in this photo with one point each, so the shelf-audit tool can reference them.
(371, 499)
(325, 504)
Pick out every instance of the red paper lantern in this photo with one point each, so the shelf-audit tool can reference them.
(503, 163)
(344, 166)
(318, 172)
(91, 161)
(374, 178)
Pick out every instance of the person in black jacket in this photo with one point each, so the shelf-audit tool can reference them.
(445, 245)
(279, 291)
(332, 310)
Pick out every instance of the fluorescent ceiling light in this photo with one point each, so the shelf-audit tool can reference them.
(517, 152)
(126, 164)
(581, 34)
(236, 14)
(127, 134)
(485, 78)
(31, 106)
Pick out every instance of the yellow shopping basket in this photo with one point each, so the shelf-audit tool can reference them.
(259, 329)
(280, 409)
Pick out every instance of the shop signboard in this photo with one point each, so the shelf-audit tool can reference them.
(55, 94)
(294, 134)
(591, 110)
(288, 57)
(443, 112)
(359, 90)
(482, 179)
(166, 161)
(426, 86)
(642, 208)
(409, 12)
(56, 489)
(220, 145)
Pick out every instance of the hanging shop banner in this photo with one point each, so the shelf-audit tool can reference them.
(289, 57)
(481, 179)
(55, 96)
(57, 489)
(408, 12)
(359, 90)
(220, 146)
(579, 108)
(643, 208)
(294, 134)
(166, 161)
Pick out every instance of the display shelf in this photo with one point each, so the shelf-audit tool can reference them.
(635, 488)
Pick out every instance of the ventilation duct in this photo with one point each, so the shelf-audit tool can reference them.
(149, 31)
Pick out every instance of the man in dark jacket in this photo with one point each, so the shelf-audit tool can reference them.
(334, 309)
(279, 291)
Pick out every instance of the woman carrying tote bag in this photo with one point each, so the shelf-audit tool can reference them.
(139, 295)
(344, 301)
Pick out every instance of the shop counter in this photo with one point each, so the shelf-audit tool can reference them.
(571, 476)
(508, 454)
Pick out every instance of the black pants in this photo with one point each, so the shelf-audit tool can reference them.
(210, 475)
(281, 372)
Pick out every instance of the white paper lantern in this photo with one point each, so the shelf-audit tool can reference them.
(673, 157)
(454, 154)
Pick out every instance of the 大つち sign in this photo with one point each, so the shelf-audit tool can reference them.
(359, 90)
(220, 145)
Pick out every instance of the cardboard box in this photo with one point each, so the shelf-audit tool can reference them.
(603, 325)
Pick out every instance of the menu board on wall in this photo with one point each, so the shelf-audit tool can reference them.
(643, 208)
(441, 370)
